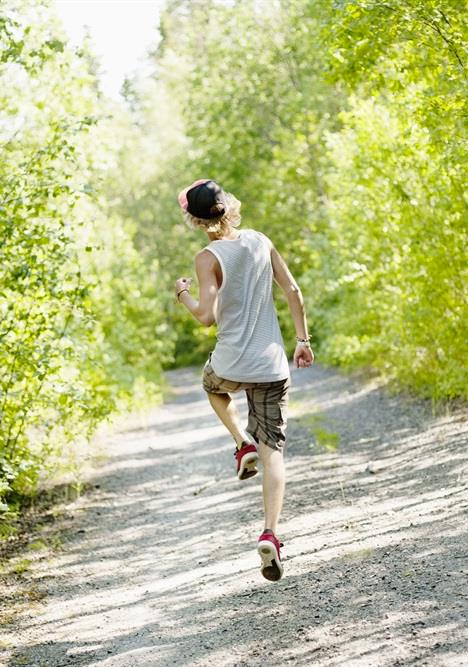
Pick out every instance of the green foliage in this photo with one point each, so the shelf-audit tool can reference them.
(339, 125)
(394, 181)
(323, 438)
(81, 322)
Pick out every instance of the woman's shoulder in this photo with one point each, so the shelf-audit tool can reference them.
(259, 235)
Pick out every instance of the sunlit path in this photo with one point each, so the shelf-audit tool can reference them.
(324, 142)
(159, 568)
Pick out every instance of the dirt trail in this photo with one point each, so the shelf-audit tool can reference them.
(158, 565)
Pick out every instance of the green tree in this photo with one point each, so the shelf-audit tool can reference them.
(339, 125)
(82, 325)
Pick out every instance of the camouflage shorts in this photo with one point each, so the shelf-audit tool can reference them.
(267, 404)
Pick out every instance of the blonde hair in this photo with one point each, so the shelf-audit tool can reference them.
(217, 226)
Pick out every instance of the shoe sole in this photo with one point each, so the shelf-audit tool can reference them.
(248, 466)
(271, 567)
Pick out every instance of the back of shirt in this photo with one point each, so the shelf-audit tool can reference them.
(250, 345)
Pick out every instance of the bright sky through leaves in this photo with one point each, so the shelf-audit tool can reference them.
(121, 32)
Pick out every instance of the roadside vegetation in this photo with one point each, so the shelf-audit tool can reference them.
(338, 124)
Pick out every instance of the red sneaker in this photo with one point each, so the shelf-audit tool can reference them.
(268, 548)
(247, 457)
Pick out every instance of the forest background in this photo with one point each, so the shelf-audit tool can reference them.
(339, 125)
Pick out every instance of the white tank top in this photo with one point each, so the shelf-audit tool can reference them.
(250, 345)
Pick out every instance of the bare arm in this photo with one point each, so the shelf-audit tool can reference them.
(303, 355)
(204, 309)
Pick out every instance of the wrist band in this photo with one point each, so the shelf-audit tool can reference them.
(303, 340)
(179, 293)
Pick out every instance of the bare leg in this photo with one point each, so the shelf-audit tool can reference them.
(224, 407)
(273, 485)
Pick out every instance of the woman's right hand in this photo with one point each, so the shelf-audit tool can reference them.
(182, 284)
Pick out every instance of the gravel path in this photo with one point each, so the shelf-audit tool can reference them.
(157, 565)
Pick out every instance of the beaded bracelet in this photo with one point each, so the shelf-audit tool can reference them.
(303, 340)
(179, 293)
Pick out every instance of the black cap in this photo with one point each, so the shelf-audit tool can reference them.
(203, 197)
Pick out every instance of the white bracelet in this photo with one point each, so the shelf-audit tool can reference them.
(304, 343)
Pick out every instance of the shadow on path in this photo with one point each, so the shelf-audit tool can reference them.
(160, 567)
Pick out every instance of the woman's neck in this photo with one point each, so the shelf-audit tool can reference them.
(229, 234)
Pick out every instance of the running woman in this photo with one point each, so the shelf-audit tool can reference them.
(235, 274)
